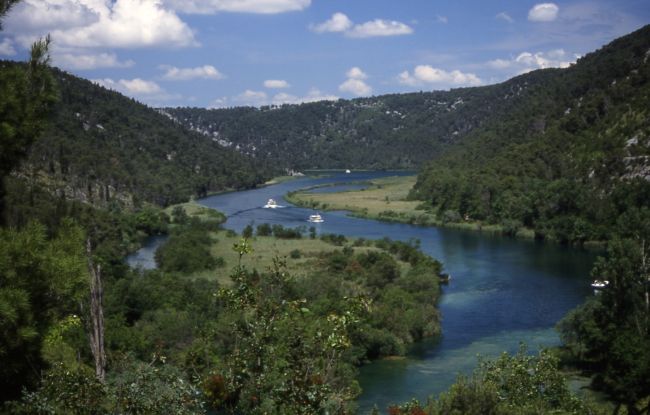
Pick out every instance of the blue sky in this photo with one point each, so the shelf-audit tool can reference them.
(222, 53)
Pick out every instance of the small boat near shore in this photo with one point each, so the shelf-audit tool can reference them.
(598, 285)
(271, 204)
(316, 218)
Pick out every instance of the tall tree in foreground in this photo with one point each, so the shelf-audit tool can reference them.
(28, 94)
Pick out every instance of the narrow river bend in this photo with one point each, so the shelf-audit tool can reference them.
(502, 292)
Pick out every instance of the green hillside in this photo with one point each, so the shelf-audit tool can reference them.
(388, 131)
(103, 148)
(562, 151)
(569, 161)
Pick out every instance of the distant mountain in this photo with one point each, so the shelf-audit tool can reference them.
(388, 131)
(104, 148)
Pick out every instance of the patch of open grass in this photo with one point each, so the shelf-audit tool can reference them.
(265, 248)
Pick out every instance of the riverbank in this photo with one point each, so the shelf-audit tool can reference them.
(386, 199)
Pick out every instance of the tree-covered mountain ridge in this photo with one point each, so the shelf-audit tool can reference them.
(572, 161)
(103, 148)
(409, 130)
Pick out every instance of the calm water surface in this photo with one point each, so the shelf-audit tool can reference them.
(502, 291)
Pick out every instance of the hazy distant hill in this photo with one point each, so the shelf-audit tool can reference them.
(102, 147)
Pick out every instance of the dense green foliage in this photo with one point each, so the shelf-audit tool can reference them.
(27, 96)
(567, 161)
(41, 283)
(388, 131)
(609, 335)
(104, 148)
(509, 385)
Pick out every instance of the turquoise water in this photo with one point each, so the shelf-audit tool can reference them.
(502, 291)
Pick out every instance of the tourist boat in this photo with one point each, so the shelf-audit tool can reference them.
(316, 218)
(272, 204)
(599, 285)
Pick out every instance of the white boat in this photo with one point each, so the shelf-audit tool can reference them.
(316, 218)
(271, 204)
(598, 285)
(348, 171)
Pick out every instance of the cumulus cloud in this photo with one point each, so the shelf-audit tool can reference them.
(355, 83)
(259, 98)
(145, 91)
(276, 84)
(87, 61)
(134, 86)
(7, 47)
(543, 12)
(528, 61)
(253, 98)
(426, 74)
(442, 19)
(237, 6)
(356, 87)
(504, 16)
(94, 23)
(314, 95)
(379, 27)
(340, 23)
(356, 73)
(185, 74)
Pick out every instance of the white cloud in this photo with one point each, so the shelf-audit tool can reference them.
(252, 98)
(543, 12)
(6, 47)
(339, 22)
(219, 103)
(259, 98)
(504, 16)
(134, 86)
(426, 74)
(379, 27)
(356, 73)
(355, 83)
(90, 61)
(356, 87)
(276, 84)
(237, 6)
(185, 74)
(314, 95)
(442, 19)
(528, 61)
(98, 23)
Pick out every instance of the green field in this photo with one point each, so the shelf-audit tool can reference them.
(387, 199)
(265, 248)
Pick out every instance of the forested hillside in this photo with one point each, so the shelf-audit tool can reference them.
(388, 131)
(103, 148)
(569, 161)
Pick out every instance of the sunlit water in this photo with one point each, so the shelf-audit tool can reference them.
(502, 291)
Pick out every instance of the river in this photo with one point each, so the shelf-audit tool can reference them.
(502, 292)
